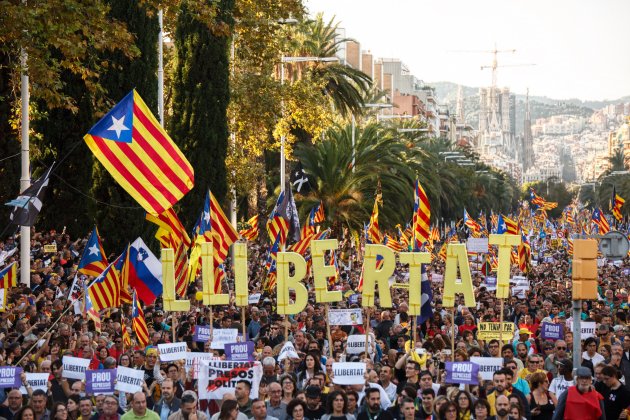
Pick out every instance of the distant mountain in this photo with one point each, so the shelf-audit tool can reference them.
(540, 106)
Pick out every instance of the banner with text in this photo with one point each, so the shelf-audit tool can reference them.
(493, 330)
(462, 373)
(100, 381)
(10, 377)
(549, 331)
(345, 316)
(172, 351)
(194, 359)
(356, 344)
(74, 367)
(129, 380)
(202, 334)
(219, 377)
(487, 366)
(36, 381)
(239, 352)
(221, 336)
(348, 373)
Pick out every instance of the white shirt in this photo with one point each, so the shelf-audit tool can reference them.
(559, 385)
(596, 359)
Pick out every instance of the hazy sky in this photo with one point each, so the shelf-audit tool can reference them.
(581, 48)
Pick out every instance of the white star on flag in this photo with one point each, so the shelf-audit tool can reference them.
(93, 250)
(118, 125)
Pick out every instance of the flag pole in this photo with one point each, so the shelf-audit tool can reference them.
(367, 330)
(25, 180)
(174, 326)
(160, 72)
(330, 346)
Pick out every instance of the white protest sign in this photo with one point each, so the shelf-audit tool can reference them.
(74, 367)
(356, 344)
(490, 283)
(477, 245)
(345, 316)
(172, 351)
(219, 377)
(587, 329)
(288, 350)
(129, 380)
(348, 373)
(3, 299)
(437, 278)
(36, 381)
(194, 360)
(221, 336)
(487, 365)
(254, 298)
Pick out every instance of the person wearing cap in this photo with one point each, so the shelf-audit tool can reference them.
(523, 337)
(581, 401)
(314, 407)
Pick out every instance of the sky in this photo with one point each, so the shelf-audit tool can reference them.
(580, 48)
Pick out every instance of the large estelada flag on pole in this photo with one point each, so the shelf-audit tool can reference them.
(140, 155)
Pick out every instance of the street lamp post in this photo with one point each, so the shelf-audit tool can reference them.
(283, 137)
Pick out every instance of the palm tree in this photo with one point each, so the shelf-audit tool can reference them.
(344, 85)
(617, 162)
(348, 193)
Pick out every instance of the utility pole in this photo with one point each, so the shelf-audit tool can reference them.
(25, 179)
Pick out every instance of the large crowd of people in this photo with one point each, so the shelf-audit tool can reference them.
(406, 375)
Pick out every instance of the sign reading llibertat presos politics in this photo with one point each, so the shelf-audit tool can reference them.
(348, 373)
(172, 351)
(129, 380)
(219, 377)
(74, 367)
(345, 316)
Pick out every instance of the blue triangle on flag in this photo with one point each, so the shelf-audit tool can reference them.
(117, 125)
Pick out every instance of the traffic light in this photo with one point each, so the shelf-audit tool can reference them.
(584, 269)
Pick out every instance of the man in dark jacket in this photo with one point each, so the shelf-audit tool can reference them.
(169, 403)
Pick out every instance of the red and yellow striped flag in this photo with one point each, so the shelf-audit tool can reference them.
(373, 232)
(8, 276)
(251, 233)
(134, 148)
(138, 323)
(421, 217)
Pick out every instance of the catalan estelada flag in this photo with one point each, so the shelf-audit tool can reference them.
(599, 219)
(472, 224)
(93, 261)
(421, 217)
(138, 323)
(373, 234)
(250, 233)
(507, 225)
(135, 149)
(8, 276)
(616, 203)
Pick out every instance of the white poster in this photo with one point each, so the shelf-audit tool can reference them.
(172, 351)
(345, 316)
(254, 298)
(194, 360)
(356, 344)
(288, 350)
(221, 336)
(348, 373)
(74, 367)
(477, 245)
(36, 381)
(587, 329)
(437, 278)
(219, 377)
(129, 380)
(487, 365)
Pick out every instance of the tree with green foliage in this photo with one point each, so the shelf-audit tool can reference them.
(117, 214)
(552, 190)
(10, 144)
(201, 97)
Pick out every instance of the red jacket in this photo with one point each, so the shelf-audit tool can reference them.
(582, 406)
